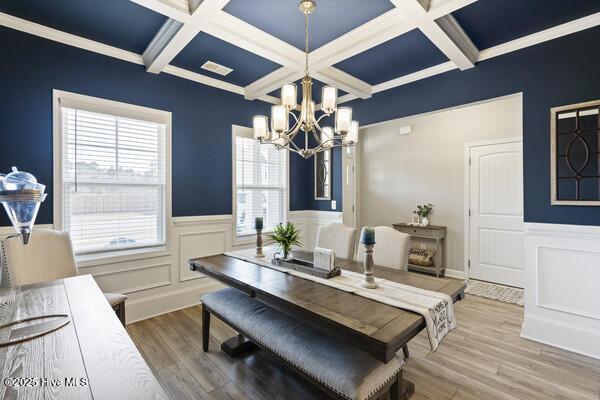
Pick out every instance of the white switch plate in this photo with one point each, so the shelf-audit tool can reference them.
(423, 246)
(333, 204)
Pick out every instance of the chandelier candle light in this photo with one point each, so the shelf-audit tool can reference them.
(278, 133)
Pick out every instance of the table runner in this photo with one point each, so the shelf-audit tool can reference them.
(436, 308)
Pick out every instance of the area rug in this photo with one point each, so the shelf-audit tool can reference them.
(493, 291)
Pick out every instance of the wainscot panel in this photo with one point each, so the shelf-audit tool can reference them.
(562, 271)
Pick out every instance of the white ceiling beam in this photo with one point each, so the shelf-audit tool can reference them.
(179, 10)
(271, 82)
(445, 32)
(248, 37)
(439, 8)
(375, 32)
(346, 82)
(175, 35)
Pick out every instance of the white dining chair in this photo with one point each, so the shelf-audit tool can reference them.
(391, 248)
(48, 256)
(337, 237)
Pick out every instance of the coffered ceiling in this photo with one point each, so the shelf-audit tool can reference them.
(362, 47)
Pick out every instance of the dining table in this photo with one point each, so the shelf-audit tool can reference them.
(377, 328)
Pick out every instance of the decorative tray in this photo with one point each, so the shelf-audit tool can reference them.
(307, 267)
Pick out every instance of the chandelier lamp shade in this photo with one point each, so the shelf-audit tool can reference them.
(304, 117)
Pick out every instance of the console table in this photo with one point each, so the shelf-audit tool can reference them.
(431, 233)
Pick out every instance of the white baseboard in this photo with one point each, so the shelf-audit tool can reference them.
(561, 335)
(152, 306)
(453, 273)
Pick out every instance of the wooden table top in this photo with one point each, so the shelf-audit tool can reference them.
(375, 327)
(93, 348)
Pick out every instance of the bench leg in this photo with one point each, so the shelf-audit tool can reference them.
(205, 328)
(405, 351)
(120, 311)
(401, 389)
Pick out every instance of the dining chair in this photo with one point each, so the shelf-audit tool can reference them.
(391, 248)
(48, 256)
(337, 237)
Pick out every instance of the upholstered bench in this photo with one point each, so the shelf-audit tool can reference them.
(338, 368)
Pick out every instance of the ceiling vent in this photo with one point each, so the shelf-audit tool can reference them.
(216, 68)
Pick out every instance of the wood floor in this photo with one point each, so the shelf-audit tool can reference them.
(484, 358)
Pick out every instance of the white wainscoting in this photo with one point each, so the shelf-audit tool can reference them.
(309, 221)
(562, 286)
(164, 283)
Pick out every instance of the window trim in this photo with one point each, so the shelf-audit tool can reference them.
(111, 107)
(238, 130)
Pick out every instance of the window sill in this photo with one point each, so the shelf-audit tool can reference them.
(251, 239)
(112, 257)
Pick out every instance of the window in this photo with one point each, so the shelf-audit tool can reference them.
(259, 181)
(113, 174)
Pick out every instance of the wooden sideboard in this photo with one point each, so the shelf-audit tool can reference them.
(431, 233)
(92, 357)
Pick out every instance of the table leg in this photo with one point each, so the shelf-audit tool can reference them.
(402, 389)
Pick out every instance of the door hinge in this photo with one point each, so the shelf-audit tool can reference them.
(352, 208)
(469, 160)
(469, 212)
(469, 263)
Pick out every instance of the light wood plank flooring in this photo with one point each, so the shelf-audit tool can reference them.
(484, 358)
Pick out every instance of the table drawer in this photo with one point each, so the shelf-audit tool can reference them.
(417, 232)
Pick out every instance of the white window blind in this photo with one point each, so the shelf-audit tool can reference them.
(113, 181)
(261, 184)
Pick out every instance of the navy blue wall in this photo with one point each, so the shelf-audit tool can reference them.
(559, 72)
(202, 117)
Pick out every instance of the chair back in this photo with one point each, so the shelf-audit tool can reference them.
(337, 237)
(391, 248)
(48, 256)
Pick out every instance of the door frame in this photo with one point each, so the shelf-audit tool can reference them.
(467, 194)
(354, 182)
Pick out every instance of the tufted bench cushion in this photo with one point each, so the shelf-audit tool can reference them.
(350, 372)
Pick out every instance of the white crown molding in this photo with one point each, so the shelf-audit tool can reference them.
(175, 35)
(179, 10)
(86, 44)
(66, 38)
(540, 37)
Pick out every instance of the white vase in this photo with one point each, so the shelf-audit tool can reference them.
(425, 221)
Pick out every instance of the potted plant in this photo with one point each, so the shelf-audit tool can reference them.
(424, 212)
(286, 236)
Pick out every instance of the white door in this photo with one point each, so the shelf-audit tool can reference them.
(496, 213)
(348, 194)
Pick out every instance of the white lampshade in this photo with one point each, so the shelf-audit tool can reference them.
(288, 96)
(352, 136)
(278, 119)
(260, 125)
(327, 137)
(343, 120)
(328, 99)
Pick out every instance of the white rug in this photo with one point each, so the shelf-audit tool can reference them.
(493, 291)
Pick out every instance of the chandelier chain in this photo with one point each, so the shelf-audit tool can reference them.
(306, 43)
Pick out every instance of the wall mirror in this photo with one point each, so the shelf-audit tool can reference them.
(323, 175)
(575, 146)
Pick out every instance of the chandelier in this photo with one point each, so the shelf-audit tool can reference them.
(278, 133)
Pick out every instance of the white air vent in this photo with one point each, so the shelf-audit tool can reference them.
(216, 68)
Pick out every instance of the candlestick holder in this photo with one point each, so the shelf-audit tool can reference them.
(259, 243)
(369, 282)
